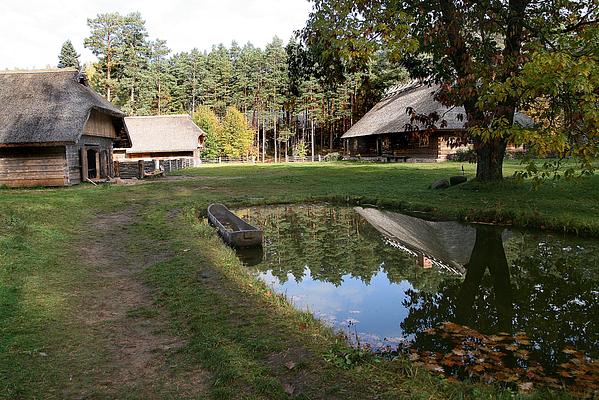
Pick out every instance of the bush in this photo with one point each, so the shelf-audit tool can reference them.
(300, 149)
(463, 155)
(333, 157)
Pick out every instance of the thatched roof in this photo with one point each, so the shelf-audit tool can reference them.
(163, 133)
(50, 106)
(390, 115)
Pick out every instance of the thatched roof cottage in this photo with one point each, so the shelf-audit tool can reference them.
(163, 137)
(389, 131)
(55, 130)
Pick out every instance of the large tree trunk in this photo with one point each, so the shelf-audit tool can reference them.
(490, 156)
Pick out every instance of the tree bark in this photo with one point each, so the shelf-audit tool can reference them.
(275, 138)
(490, 156)
(108, 61)
(312, 139)
(264, 140)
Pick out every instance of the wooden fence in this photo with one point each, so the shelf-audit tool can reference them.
(143, 168)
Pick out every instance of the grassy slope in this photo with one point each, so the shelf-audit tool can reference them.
(234, 326)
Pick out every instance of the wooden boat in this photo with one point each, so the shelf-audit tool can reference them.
(234, 231)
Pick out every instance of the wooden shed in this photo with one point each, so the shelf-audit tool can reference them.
(389, 132)
(55, 130)
(162, 137)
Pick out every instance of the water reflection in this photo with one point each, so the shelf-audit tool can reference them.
(393, 277)
(250, 256)
(487, 254)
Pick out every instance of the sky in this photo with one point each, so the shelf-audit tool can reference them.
(33, 31)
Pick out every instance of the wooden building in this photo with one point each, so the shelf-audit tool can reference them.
(389, 132)
(162, 137)
(55, 130)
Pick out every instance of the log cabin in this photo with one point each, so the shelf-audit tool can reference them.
(55, 130)
(162, 137)
(388, 132)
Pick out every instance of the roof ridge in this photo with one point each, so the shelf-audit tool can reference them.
(159, 116)
(403, 87)
(38, 71)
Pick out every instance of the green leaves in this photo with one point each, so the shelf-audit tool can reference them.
(230, 136)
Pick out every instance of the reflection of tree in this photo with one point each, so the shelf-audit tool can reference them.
(551, 296)
(333, 243)
(488, 254)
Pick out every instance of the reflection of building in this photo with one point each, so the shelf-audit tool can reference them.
(389, 131)
(447, 245)
(55, 130)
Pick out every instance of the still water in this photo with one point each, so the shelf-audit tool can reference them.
(390, 280)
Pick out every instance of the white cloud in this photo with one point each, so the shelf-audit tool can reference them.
(33, 31)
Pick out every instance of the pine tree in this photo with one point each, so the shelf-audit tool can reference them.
(68, 57)
(104, 41)
(133, 60)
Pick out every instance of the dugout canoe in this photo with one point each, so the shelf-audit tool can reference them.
(234, 231)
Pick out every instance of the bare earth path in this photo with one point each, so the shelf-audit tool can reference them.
(118, 307)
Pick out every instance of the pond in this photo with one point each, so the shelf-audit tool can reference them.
(465, 300)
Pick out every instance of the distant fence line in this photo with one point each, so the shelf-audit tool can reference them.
(142, 168)
(255, 160)
(129, 169)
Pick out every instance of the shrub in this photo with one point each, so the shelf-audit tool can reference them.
(300, 149)
(463, 155)
(333, 157)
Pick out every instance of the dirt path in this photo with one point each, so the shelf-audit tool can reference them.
(120, 310)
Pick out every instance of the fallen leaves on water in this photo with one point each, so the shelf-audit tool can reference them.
(505, 359)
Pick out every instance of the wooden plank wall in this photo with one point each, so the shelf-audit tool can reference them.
(74, 164)
(33, 166)
(99, 124)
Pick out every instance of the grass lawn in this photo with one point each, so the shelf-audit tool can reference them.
(124, 292)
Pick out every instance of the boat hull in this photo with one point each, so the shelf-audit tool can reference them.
(233, 230)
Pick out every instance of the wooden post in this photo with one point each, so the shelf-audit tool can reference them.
(83, 156)
(97, 164)
(140, 169)
(111, 172)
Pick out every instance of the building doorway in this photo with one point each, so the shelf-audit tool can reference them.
(93, 161)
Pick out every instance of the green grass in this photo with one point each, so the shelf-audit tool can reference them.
(233, 326)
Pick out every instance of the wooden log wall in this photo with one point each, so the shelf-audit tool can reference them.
(33, 166)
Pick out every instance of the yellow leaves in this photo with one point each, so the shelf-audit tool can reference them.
(504, 357)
